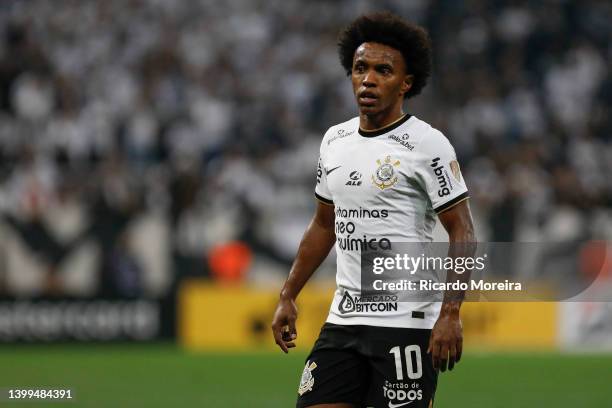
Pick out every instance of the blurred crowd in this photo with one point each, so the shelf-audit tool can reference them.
(198, 123)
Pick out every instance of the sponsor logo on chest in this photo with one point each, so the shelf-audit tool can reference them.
(403, 140)
(339, 135)
(354, 179)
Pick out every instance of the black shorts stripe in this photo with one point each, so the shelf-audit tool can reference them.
(323, 199)
(452, 202)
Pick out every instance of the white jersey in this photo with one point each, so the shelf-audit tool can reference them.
(387, 186)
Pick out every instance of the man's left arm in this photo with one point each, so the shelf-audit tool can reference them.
(446, 341)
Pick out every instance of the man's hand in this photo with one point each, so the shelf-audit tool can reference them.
(446, 341)
(283, 324)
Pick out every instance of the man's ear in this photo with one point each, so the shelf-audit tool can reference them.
(407, 84)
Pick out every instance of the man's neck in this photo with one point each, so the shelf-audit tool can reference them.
(379, 120)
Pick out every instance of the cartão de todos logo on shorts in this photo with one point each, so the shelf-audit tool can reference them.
(401, 394)
(307, 380)
(367, 304)
(384, 176)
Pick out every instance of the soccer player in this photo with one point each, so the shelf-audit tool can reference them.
(382, 177)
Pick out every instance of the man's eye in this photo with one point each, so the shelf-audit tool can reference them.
(359, 68)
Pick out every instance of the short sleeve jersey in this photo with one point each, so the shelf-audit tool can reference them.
(385, 185)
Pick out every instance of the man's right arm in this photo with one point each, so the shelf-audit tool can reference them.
(316, 243)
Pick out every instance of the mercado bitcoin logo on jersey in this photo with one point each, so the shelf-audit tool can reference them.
(384, 176)
(367, 304)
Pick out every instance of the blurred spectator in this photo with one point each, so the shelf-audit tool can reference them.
(210, 117)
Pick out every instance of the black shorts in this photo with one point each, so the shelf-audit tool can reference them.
(369, 366)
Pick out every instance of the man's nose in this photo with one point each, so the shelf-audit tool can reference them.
(369, 79)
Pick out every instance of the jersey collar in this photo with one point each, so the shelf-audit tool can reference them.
(385, 129)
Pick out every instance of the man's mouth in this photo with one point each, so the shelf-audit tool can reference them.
(367, 98)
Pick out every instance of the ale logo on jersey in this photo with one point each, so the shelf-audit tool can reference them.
(354, 179)
(307, 380)
(384, 176)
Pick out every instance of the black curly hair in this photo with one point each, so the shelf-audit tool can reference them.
(389, 29)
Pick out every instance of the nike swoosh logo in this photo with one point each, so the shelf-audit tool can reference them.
(392, 405)
(328, 172)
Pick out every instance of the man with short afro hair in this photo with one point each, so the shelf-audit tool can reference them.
(385, 28)
(383, 178)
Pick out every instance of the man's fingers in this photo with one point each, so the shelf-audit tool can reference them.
(452, 357)
(435, 354)
(283, 342)
(276, 332)
(279, 340)
(292, 329)
(286, 335)
(459, 350)
(443, 356)
(282, 345)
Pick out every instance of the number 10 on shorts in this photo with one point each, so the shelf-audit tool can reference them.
(414, 367)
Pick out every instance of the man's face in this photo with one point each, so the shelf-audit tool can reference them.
(379, 78)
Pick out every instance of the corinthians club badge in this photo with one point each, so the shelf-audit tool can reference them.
(384, 176)
(307, 380)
